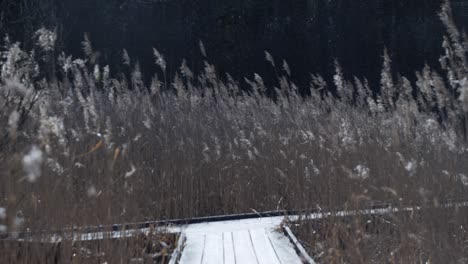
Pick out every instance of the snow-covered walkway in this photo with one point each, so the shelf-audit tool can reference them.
(246, 241)
(254, 240)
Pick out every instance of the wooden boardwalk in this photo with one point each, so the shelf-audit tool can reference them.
(255, 241)
(222, 241)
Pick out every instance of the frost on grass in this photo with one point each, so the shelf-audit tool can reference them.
(32, 163)
(360, 172)
(411, 167)
(46, 39)
(51, 125)
(463, 178)
(131, 172)
(14, 87)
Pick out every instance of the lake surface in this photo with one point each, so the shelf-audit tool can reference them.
(308, 34)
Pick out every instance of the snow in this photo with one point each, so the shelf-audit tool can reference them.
(255, 241)
(32, 163)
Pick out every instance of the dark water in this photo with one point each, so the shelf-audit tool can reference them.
(308, 34)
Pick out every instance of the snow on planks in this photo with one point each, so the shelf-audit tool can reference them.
(246, 241)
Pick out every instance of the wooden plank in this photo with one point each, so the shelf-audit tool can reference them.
(194, 249)
(283, 247)
(228, 245)
(213, 249)
(245, 253)
(263, 248)
(249, 241)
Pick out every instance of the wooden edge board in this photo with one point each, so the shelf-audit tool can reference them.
(305, 257)
(178, 250)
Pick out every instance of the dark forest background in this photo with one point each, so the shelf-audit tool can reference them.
(308, 34)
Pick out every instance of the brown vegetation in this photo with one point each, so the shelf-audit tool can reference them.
(88, 147)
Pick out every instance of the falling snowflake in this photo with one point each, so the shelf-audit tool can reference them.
(32, 163)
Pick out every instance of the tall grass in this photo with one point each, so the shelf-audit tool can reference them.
(435, 235)
(81, 145)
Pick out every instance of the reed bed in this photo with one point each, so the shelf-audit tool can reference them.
(82, 145)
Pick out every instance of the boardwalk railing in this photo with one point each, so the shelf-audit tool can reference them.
(316, 213)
